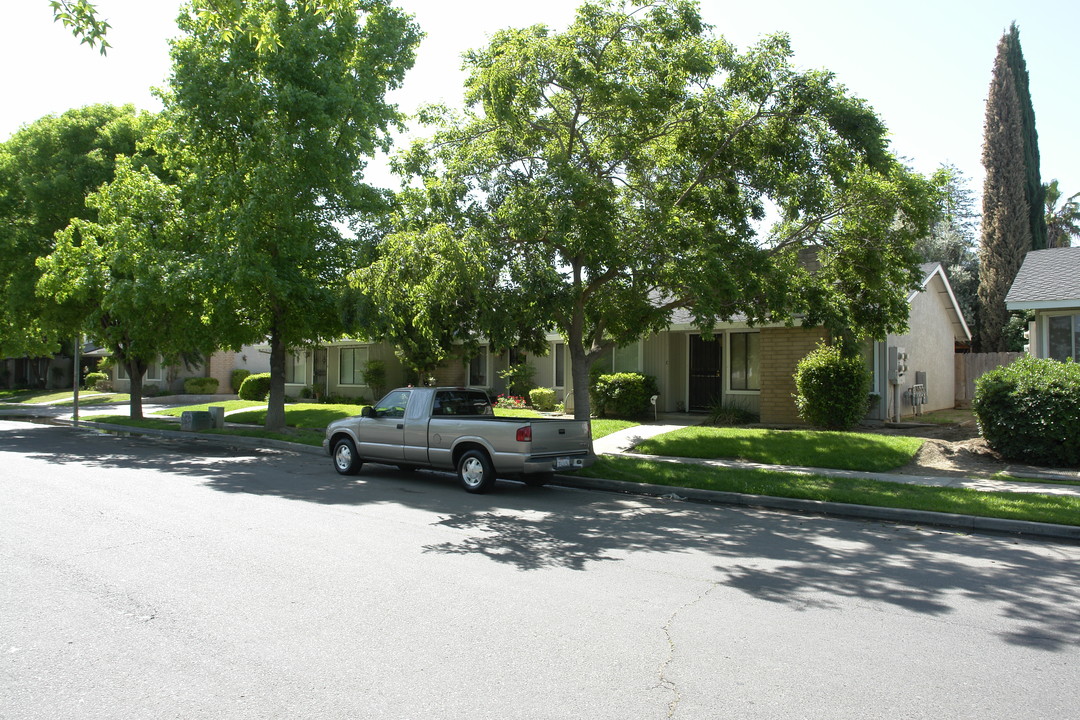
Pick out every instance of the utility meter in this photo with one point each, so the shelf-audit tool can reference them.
(897, 365)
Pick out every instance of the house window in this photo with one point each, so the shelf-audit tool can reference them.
(1063, 337)
(478, 368)
(153, 371)
(560, 365)
(745, 359)
(296, 368)
(352, 361)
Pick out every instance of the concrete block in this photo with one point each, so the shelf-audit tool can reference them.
(194, 420)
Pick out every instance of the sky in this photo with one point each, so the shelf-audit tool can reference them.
(923, 65)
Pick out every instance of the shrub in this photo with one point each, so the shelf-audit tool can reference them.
(255, 387)
(832, 390)
(236, 379)
(150, 390)
(519, 378)
(731, 414)
(543, 399)
(375, 376)
(98, 381)
(1029, 411)
(201, 386)
(626, 395)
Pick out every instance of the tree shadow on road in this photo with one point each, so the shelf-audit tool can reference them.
(797, 560)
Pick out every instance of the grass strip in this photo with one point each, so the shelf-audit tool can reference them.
(229, 406)
(809, 448)
(303, 436)
(313, 416)
(603, 426)
(1063, 510)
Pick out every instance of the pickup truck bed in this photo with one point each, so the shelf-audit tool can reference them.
(456, 429)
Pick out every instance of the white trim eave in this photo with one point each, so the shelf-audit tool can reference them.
(1073, 304)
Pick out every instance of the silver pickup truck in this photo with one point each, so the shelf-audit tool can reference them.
(449, 428)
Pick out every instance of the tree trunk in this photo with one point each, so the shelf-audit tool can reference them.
(135, 369)
(579, 373)
(275, 410)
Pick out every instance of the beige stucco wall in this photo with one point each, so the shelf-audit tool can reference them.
(930, 349)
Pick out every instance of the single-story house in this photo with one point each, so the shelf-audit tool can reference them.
(749, 366)
(1048, 284)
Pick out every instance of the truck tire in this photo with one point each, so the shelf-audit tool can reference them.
(475, 471)
(538, 479)
(346, 461)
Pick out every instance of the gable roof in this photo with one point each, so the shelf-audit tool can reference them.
(1048, 279)
(945, 295)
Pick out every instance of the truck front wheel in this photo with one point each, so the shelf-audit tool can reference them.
(346, 461)
(475, 472)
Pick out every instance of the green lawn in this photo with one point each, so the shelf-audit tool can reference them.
(61, 397)
(516, 412)
(604, 426)
(808, 448)
(229, 406)
(313, 416)
(297, 435)
(1063, 510)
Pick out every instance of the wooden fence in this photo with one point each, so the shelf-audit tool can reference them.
(971, 366)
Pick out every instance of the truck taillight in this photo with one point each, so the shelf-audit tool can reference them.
(524, 434)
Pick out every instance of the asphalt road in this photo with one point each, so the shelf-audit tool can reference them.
(144, 578)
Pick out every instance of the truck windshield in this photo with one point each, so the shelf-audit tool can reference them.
(461, 402)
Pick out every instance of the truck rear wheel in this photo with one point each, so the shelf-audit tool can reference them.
(346, 461)
(475, 471)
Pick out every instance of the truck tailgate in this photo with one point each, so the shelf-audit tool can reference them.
(559, 437)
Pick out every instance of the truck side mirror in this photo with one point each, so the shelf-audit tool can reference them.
(367, 411)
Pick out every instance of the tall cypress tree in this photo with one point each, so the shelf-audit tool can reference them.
(1033, 187)
(1006, 229)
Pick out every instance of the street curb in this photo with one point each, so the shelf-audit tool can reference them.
(970, 523)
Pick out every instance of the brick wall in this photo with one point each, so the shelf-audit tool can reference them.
(453, 372)
(781, 351)
(221, 366)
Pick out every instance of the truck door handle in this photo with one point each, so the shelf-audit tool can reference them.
(400, 426)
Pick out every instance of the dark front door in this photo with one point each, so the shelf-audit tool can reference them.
(706, 378)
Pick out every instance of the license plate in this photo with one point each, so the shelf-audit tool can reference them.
(562, 463)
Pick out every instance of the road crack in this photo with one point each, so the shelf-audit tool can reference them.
(664, 682)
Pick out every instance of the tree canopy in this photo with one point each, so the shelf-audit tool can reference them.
(47, 170)
(131, 279)
(272, 142)
(634, 164)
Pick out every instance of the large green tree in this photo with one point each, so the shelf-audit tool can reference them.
(634, 164)
(47, 170)
(1062, 221)
(1006, 226)
(131, 279)
(86, 23)
(1034, 191)
(273, 141)
(953, 239)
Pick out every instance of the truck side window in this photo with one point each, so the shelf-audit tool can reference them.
(393, 405)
